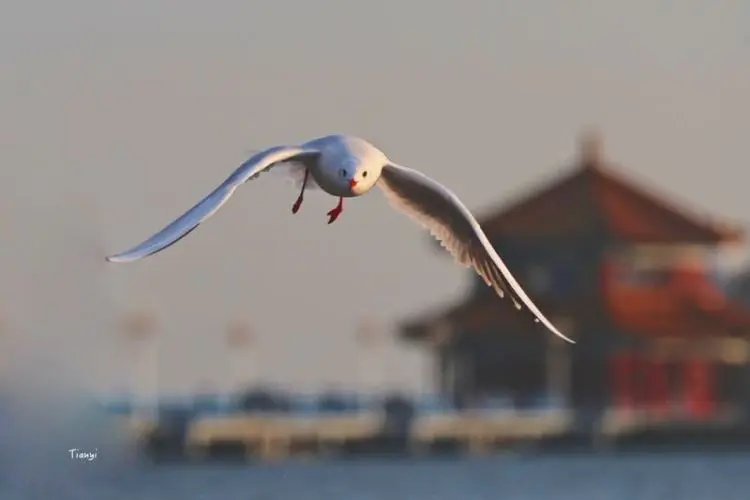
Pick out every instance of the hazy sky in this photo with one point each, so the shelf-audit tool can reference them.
(117, 116)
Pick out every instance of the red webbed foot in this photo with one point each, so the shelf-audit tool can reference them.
(334, 213)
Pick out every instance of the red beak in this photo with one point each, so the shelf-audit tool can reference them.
(352, 183)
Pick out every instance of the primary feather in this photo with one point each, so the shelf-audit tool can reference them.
(445, 216)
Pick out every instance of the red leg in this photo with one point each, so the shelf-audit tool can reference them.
(298, 203)
(336, 211)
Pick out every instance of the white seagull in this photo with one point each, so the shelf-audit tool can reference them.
(346, 167)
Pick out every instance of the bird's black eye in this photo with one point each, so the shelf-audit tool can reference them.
(364, 174)
(342, 172)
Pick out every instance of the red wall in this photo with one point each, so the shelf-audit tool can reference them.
(638, 382)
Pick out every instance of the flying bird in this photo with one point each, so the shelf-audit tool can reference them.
(347, 167)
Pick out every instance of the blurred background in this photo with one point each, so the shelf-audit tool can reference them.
(601, 145)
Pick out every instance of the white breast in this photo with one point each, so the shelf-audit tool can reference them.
(348, 153)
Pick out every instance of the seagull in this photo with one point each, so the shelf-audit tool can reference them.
(346, 167)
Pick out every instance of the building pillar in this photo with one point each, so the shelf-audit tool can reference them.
(558, 370)
(452, 374)
(623, 367)
(441, 336)
(746, 391)
(657, 386)
(559, 365)
(440, 367)
(700, 388)
(463, 376)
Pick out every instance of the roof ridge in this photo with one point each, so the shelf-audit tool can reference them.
(664, 199)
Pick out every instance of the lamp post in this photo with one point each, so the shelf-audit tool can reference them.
(370, 345)
(138, 328)
(240, 367)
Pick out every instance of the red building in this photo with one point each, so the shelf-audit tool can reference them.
(622, 271)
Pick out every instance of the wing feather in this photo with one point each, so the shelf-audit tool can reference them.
(450, 222)
(192, 218)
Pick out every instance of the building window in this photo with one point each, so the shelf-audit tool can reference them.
(634, 268)
(638, 277)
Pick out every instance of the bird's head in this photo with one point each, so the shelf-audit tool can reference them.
(361, 174)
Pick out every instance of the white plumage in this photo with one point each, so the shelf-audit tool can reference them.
(347, 167)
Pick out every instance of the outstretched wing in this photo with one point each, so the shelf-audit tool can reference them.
(439, 210)
(205, 208)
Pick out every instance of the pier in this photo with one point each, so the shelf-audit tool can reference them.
(277, 436)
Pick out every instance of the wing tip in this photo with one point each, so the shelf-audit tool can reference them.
(554, 330)
(117, 259)
(566, 339)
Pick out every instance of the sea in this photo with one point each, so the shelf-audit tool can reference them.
(581, 477)
(36, 463)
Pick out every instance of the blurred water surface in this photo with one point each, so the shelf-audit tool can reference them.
(645, 477)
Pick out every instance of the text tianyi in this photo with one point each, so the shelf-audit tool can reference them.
(87, 456)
